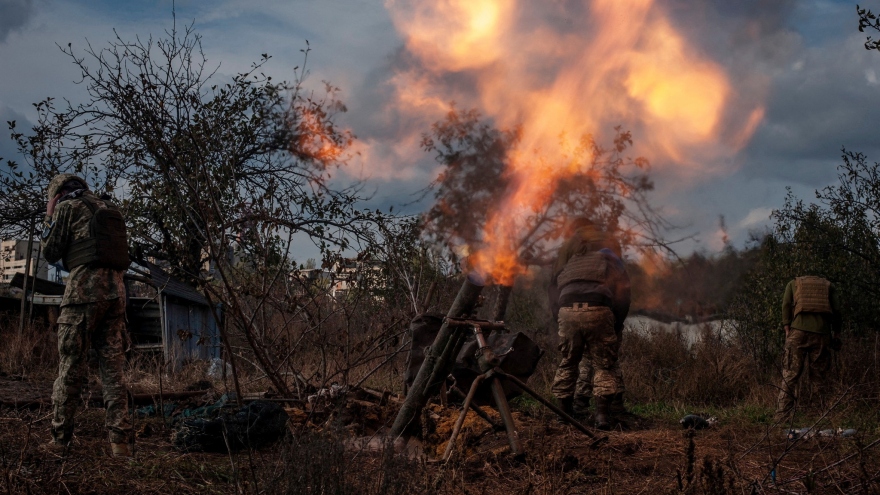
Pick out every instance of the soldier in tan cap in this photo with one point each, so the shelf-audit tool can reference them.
(87, 234)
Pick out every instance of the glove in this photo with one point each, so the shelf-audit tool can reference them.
(836, 344)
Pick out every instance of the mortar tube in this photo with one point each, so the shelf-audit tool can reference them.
(503, 298)
(464, 304)
(442, 368)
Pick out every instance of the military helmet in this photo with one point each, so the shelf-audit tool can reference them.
(60, 180)
(582, 222)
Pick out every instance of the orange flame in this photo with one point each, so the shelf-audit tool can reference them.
(317, 140)
(625, 64)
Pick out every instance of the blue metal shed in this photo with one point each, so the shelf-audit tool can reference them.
(179, 321)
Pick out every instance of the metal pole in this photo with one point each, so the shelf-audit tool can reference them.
(506, 416)
(519, 383)
(461, 417)
(488, 363)
(36, 271)
(464, 304)
(24, 284)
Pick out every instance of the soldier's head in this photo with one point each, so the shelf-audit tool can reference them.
(65, 183)
(592, 235)
(580, 223)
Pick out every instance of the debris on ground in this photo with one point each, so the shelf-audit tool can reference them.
(255, 425)
(807, 433)
(330, 393)
(218, 369)
(176, 411)
(697, 422)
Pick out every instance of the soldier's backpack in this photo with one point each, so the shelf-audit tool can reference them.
(107, 243)
(586, 267)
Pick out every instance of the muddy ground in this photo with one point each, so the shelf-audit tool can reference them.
(318, 455)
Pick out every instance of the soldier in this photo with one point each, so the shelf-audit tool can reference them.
(87, 234)
(620, 302)
(811, 318)
(585, 283)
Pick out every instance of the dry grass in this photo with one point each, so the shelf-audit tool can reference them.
(662, 367)
(665, 379)
(32, 353)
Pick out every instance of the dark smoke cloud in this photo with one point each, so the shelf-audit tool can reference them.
(13, 15)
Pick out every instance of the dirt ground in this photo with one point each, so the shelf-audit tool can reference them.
(650, 456)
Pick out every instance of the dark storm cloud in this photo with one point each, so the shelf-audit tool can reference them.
(820, 86)
(828, 98)
(13, 15)
(367, 106)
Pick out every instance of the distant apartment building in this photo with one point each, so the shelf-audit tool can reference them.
(13, 255)
(342, 277)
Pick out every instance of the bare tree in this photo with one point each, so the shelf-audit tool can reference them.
(608, 186)
(211, 171)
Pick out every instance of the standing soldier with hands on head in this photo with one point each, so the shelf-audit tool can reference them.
(588, 287)
(811, 318)
(87, 234)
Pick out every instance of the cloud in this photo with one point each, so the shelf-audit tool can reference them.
(755, 218)
(13, 15)
(802, 60)
(819, 104)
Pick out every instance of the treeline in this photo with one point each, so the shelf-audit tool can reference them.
(696, 287)
(836, 236)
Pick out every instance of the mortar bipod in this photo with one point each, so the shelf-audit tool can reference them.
(488, 362)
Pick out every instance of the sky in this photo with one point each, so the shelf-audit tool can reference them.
(780, 86)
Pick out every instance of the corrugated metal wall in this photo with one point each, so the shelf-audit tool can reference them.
(190, 331)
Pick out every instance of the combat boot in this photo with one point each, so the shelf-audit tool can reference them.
(603, 418)
(120, 450)
(58, 449)
(581, 406)
(566, 404)
(617, 406)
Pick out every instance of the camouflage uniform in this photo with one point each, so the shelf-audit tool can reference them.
(620, 302)
(583, 389)
(589, 329)
(592, 306)
(802, 350)
(92, 316)
(807, 347)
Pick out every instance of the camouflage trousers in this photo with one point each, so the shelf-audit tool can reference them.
(588, 335)
(101, 326)
(803, 351)
(583, 390)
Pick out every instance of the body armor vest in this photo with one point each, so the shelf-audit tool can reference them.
(107, 243)
(811, 295)
(587, 267)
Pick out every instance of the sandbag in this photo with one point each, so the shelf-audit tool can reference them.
(518, 355)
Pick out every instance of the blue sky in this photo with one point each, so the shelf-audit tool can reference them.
(822, 93)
